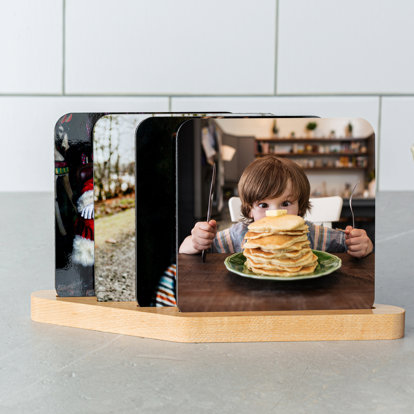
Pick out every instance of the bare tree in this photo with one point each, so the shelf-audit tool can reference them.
(106, 164)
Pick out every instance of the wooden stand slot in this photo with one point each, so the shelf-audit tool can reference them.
(382, 322)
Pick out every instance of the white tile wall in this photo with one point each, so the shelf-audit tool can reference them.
(27, 132)
(334, 46)
(31, 46)
(170, 47)
(397, 133)
(198, 56)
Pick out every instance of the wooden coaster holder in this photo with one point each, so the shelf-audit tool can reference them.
(126, 318)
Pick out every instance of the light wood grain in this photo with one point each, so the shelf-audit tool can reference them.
(382, 322)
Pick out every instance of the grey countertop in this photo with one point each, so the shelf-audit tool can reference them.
(52, 369)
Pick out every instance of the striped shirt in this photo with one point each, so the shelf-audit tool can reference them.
(165, 295)
(231, 240)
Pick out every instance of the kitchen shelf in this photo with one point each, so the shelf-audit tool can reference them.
(344, 150)
(301, 140)
(314, 154)
(334, 168)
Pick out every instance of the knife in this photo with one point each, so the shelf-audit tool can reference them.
(350, 204)
(210, 202)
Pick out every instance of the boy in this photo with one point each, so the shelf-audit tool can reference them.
(274, 183)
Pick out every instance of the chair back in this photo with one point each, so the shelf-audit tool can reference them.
(235, 209)
(324, 210)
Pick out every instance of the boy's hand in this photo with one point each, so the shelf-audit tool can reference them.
(359, 244)
(202, 234)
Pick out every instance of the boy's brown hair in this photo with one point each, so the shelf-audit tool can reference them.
(268, 177)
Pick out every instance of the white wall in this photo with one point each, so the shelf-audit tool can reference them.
(296, 57)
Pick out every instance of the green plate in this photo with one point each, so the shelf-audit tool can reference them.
(327, 263)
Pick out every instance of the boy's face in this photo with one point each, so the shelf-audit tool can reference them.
(285, 202)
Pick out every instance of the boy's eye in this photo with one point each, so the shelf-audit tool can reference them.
(263, 205)
(286, 203)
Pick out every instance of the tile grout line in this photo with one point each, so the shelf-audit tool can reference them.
(63, 46)
(276, 45)
(164, 95)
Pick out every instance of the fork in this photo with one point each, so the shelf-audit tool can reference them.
(350, 207)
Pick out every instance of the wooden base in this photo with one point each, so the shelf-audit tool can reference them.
(382, 322)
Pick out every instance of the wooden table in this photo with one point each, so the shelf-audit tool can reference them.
(206, 287)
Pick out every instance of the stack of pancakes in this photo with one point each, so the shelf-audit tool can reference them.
(279, 246)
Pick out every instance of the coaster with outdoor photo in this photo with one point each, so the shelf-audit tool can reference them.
(114, 196)
(292, 223)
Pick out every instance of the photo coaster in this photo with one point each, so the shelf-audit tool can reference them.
(74, 234)
(304, 260)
